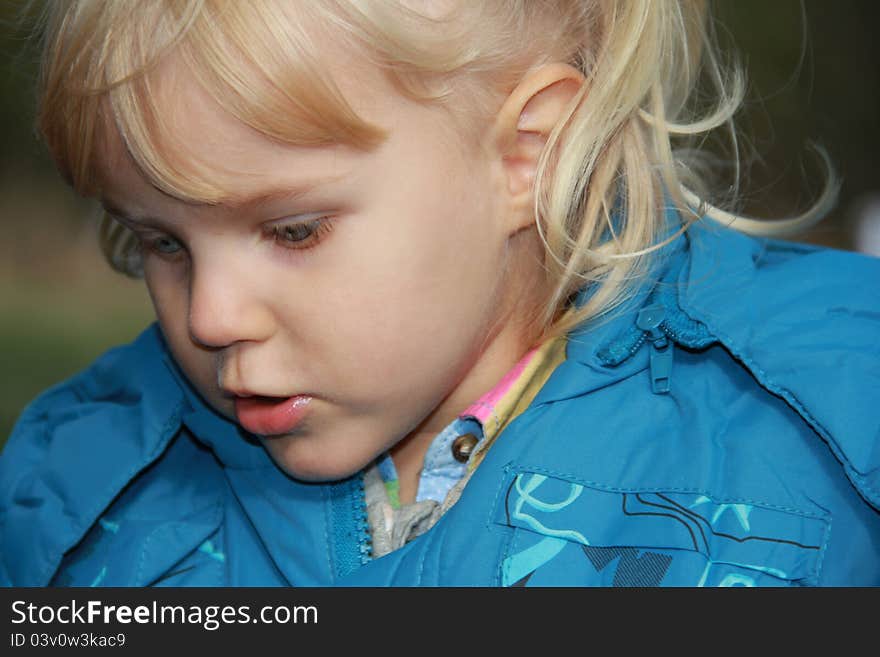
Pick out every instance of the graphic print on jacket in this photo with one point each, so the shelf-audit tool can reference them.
(594, 537)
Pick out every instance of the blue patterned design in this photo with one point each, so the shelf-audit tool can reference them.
(634, 568)
(208, 548)
(741, 510)
(687, 537)
(526, 497)
(100, 578)
(109, 525)
(518, 566)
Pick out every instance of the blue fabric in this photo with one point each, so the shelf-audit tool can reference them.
(759, 466)
(351, 527)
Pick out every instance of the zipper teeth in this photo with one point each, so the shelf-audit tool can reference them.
(643, 338)
(646, 336)
(664, 328)
(638, 344)
(670, 332)
(365, 541)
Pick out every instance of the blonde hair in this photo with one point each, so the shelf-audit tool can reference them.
(624, 150)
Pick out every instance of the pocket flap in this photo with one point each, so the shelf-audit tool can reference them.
(780, 542)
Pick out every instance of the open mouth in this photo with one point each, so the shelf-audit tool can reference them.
(271, 416)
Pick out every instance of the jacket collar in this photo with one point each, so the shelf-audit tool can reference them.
(288, 515)
(233, 446)
(603, 350)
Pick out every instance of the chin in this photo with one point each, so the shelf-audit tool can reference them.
(310, 469)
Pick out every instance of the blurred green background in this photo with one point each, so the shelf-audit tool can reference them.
(61, 306)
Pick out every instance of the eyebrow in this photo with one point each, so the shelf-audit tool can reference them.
(268, 197)
(252, 202)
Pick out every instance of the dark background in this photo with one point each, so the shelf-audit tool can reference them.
(61, 306)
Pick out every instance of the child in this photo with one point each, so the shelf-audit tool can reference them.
(435, 308)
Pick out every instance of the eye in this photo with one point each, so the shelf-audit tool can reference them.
(300, 234)
(163, 245)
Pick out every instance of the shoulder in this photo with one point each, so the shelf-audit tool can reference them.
(76, 447)
(782, 279)
(115, 375)
(805, 321)
(128, 388)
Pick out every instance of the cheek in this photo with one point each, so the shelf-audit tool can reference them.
(415, 278)
(169, 298)
(415, 304)
(169, 295)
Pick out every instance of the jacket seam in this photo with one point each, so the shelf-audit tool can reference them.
(504, 547)
(139, 573)
(820, 562)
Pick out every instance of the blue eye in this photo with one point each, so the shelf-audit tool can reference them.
(165, 245)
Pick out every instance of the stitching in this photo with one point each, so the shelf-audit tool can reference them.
(491, 526)
(217, 508)
(140, 568)
(504, 479)
(820, 561)
(825, 518)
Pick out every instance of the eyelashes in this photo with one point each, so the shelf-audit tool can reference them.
(291, 236)
(300, 235)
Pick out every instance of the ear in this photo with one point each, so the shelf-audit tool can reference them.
(522, 127)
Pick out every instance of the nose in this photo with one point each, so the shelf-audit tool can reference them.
(225, 307)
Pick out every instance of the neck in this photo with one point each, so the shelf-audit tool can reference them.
(501, 353)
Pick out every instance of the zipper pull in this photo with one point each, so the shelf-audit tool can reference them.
(649, 320)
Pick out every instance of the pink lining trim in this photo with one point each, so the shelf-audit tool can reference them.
(482, 408)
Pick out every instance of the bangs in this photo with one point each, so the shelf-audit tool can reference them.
(258, 61)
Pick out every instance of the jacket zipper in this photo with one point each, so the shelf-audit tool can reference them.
(652, 320)
(365, 540)
(350, 527)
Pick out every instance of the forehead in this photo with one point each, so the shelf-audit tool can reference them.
(194, 149)
(204, 112)
(202, 146)
(247, 168)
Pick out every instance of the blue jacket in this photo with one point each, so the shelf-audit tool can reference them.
(721, 429)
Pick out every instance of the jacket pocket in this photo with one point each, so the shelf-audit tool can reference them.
(568, 532)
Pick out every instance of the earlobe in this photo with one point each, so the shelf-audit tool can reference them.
(523, 124)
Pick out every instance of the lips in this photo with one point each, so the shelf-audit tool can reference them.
(271, 416)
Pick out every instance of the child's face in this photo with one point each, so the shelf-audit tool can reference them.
(381, 323)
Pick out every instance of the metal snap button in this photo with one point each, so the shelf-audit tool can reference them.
(463, 447)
